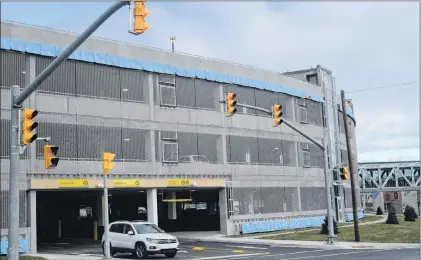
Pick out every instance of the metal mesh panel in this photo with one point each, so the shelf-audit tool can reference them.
(242, 149)
(270, 151)
(187, 145)
(13, 66)
(341, 122)
(264, 200)
(207, 94)
(134, 144)
(63, 133)
(191, 147)
(314, 113)
(133, 83)
(185, 92)
(168, 95)
(96, 80)
(4, 209)
(344, 156)
(62, 80)
(313, 198)
(310, 155)
(289, 152)
(95, 139)
(287, 108)
(348, 198)
(5, 140)
(265, 99)
(208, 146)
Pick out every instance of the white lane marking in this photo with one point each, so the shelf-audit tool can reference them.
(248, 247)
(182, 251)
(337, 254)
(227, 256)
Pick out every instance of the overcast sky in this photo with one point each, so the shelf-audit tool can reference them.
(366, 45)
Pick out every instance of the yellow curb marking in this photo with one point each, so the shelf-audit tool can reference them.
(196, 248)
(238, 251)
(362, 246)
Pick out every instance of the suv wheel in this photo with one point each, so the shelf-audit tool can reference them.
(140, 251)
(171, 255)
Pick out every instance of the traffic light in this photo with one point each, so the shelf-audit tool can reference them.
(231, 110)
(139, 13)
(276, 114)
(28, 126)
(50, 159)
(344, 173)
(107, 163)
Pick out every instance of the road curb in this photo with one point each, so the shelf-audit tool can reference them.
(339, 245)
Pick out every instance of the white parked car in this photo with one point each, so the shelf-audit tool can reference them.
(141, 239)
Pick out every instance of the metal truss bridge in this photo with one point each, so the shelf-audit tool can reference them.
(389, 176)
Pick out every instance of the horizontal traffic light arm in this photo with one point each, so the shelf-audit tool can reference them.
(284, 122)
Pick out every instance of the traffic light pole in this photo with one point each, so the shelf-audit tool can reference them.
(17, 100)
(107, 253)
(328, 183)
(351, 169)
(13, 218)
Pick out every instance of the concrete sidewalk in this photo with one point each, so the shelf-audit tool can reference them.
(69, 257)
(217, 237)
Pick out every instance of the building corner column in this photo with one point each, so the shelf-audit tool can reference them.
(32, 199)
(152, 206)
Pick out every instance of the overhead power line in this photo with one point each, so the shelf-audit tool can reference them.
(389, 86)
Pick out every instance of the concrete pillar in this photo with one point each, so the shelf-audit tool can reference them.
(251, 203)
(100, 210)
(152, 206)
(172, 207)
(223, 151)
(30, 76)
(223, 211)
(32, 202)
(298, 198)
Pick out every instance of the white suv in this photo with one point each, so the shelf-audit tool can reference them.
(141, 239)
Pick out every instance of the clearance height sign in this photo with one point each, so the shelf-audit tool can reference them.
(43, 184)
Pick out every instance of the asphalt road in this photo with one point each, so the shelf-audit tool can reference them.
(190, 250)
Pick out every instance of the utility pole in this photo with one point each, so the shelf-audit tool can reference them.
(232, 103)
(351, 169)
(17, 100)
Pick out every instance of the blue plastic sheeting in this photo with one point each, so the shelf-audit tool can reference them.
(350, 216)
(281, 224)
(105, 59)
(23, 246)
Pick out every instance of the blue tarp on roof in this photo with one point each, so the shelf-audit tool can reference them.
(105, 59)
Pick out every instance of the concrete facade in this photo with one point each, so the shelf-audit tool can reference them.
(88, 108)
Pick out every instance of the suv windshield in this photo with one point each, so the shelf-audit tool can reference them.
(147, 228)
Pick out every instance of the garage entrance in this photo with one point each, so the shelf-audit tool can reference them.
(78, 214)
(188, 210)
